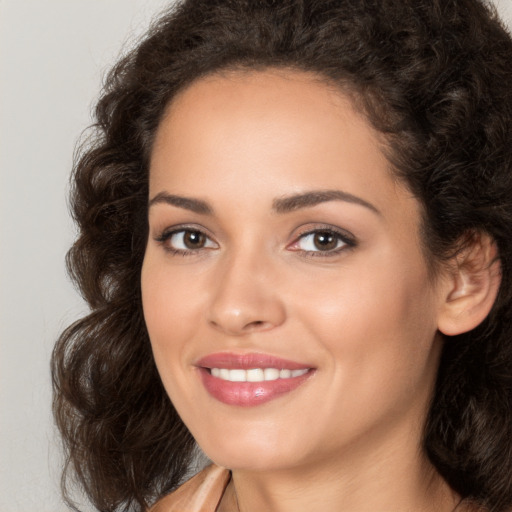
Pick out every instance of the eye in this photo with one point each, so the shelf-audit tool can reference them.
(326, 241)
(185, 241)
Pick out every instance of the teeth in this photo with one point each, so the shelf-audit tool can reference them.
(237, 375)
(256, 374)
(271, 374)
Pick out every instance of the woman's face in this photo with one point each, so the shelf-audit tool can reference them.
(287, 299)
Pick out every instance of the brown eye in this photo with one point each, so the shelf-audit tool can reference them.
(194, 239)
(325, 240)
(322, 242)
(185, 241)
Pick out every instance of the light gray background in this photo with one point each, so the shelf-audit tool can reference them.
(52, 57)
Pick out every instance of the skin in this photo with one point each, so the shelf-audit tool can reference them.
(365, 316)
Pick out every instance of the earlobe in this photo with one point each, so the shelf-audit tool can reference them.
(469, 289)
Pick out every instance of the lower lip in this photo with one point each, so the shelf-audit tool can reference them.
(249, 394)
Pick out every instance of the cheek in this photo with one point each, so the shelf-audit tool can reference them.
(377, 293)
(378, 337)
(170, 304)
(170, 308)
(377, 321)
(168, 291)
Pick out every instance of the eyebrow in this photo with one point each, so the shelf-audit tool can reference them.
(284, 204)
(188, 203)
(295, 202)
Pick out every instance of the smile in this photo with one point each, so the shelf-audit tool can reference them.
(256, 374)
(247, 380)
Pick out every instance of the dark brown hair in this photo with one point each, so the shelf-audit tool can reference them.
(435, 77)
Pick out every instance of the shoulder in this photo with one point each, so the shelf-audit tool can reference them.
(202, 493)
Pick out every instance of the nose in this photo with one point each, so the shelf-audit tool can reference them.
(245, 298)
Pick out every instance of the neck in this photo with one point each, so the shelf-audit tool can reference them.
(392, 476)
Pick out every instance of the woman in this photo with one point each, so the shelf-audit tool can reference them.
(295, 241)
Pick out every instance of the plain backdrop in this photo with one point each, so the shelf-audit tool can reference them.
(53, 54)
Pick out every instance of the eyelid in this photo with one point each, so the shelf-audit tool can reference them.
(168, 232)
(349, 240)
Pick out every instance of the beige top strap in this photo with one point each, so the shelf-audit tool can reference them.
(202, 493)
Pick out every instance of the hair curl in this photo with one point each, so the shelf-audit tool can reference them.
(435, 77)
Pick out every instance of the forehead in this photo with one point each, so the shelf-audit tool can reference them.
(303, 87)
(239, 98)
(280, 131)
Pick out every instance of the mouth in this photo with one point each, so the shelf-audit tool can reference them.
(256, 374)
(247, 380)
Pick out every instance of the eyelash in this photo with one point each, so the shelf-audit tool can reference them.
(348, 241)
(168, 234)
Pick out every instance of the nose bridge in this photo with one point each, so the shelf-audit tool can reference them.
(243, 299)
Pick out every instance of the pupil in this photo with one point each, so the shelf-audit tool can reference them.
(194, 239)
(325, 241)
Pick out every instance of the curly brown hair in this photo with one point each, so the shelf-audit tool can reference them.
(435, 77)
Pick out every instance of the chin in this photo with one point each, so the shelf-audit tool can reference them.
(250, 456)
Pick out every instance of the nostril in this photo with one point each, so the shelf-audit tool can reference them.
(244, 316)
(257, 324)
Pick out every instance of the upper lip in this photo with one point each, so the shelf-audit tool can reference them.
(231, 360)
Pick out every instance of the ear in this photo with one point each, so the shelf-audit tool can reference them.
(469, 288)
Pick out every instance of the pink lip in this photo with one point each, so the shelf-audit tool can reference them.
(248, 394)
(232, 361)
